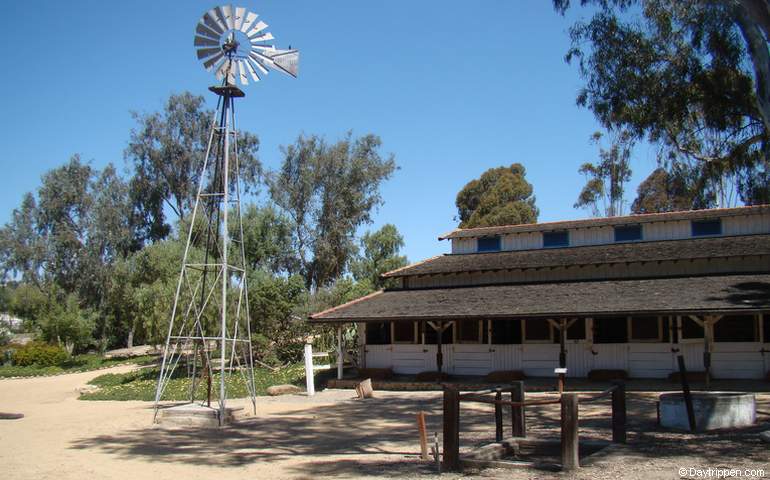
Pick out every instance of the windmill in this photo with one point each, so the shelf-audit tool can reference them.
(210, 325)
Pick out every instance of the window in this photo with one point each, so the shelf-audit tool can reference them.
(556, 239)
(610, 330)
(378, 333)
(702, 228)
(577, 331)
(488, 244)
(736, 328)
(690, 329)
(645, 329)
(506, 332)
(538, 330)
(628, 233)
(431, 336)
(470, 331)
(404, 332)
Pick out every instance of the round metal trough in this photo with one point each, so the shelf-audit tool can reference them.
(713, 410)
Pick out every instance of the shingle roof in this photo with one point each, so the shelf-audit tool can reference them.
(606, 221)
(730, 293)
(688, 249)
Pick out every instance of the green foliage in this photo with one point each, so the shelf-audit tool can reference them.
(678, 74)
(141, 384)
(73, 364)
(267, 240)
(380, 254)
(39, 354)
(328, 191)
(606, 179)
(670, 191)
(67, 324)
(501, 196)
(278, 330)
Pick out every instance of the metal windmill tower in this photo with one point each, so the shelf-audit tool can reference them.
(210, 326)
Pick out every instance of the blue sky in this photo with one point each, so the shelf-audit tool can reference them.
(453, 88)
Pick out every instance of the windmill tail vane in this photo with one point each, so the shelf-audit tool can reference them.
(210, 326)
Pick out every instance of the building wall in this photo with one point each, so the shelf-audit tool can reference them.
(651, 231)
(742, 360)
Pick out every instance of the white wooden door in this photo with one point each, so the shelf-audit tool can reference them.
(378, 356)
(470, 359)
(738, 360)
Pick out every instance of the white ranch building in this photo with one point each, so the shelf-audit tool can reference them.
(631, 292)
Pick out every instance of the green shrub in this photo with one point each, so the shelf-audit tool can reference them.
(40, 354)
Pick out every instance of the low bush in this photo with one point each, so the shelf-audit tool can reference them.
(40, 354)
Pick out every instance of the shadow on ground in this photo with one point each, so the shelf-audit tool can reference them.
(353, 438)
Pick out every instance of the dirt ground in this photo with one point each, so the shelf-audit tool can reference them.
(329, 435)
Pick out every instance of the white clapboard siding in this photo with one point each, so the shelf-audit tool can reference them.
(471, 359)
(522, 241)
(408, 358)
(463, 245)
(650, 360)
(737, 360)
(378, 356)
(746, 224)
(610, 356)
(591, 236)
(693, 356)
(580, 360)
(539, 360)
(506, 357)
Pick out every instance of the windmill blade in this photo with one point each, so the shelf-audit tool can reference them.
(205, 42)
(238, 21)
(225, 69)
(242, 72)
(205, 31)
(253, 74)
(262, 38)
(221, 18)
(250, 17)
(227, 12)
(257, 28)
(213, 60)
(207, 52)
(210, 19)
(257, 61)
(263, 48)
(285, 60)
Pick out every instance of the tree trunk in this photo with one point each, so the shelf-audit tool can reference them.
(753, 18)
(130, 341)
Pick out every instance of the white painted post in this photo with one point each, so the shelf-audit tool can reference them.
(339, 353)
(310, 383)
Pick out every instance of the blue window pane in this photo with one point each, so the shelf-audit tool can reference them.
(628, 233)
(556, 239)
(489, 244)
(706, 227)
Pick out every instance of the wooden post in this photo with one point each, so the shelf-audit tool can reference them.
(518, 424)
(340, 358)
(451, 428)
(619, 413)
(436, 453)
(423, 435)
(439, 353)
(309, 382)
(686, 392)
(569, 432)
(498, 416)
(707, 329)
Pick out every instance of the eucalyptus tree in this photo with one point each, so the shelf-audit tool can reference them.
(328, 191)
(501, 196)
(606, 179)
(679, 74)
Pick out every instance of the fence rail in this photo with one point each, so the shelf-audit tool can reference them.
(570, 413)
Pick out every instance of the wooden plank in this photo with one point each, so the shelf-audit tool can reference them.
(498, 416)
(619, 414)
(518, 424)
(451, 428)
(423, 435)
(569, 432)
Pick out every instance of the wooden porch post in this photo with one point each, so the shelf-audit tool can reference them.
(339, 352)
